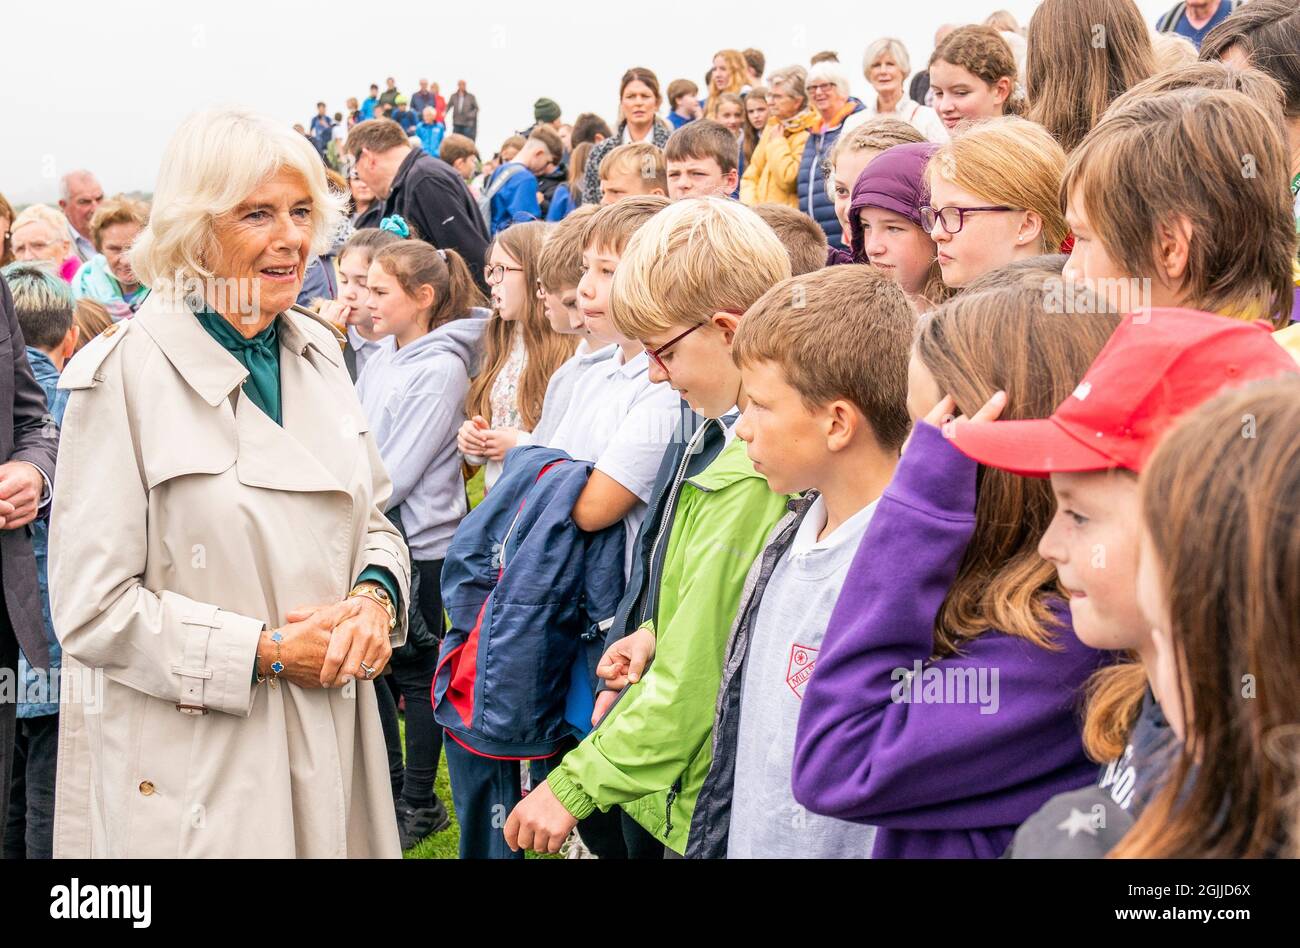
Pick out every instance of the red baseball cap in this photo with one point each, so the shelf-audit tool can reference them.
(1158, 364)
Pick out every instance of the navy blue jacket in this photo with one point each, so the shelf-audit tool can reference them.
(519, 631)
(813, 199)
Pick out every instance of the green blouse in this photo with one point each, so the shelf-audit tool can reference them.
(260, 355)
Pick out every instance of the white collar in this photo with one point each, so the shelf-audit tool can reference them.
(814, 521)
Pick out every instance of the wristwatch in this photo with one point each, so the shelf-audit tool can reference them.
(380, 595)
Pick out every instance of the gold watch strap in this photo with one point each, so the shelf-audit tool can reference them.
(380, 595)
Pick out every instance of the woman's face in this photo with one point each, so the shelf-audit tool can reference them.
(731, 115)
(756, 110)
(361, 192)
(353, 271)
(639, 103)
(36, 241)
(987, 240)
(263, 246)
(959, 94)
(785, 105)
(721, 74)
(115, 241)
(848, 166)
(885, 75)
(826, 98)
(510, 296)
(392, 312)
(899, 248)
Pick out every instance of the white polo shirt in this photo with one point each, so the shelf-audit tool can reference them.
(623, 422)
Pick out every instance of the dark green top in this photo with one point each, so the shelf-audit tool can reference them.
(261, 356)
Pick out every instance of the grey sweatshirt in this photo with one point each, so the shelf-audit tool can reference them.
(414, 400)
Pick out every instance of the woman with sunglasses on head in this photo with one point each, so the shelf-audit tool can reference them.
(994, 198)
(520, 353)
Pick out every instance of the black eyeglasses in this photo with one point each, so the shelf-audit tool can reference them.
(495, 274)
(953, 219)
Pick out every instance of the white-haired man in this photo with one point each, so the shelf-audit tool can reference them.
(79, 197)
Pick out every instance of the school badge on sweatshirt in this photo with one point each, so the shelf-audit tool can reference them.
(802, 660)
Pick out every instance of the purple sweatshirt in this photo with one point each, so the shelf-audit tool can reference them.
(939, 779)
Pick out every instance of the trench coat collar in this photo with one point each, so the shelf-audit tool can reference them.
(308, 452)
(206, 367)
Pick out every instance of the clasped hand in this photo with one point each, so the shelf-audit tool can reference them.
(323, 646)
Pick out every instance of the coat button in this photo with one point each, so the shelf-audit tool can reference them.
(146, 787)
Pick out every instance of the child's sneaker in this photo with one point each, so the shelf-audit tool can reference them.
(418, 823)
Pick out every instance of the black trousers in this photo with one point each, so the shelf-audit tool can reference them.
(30, 830)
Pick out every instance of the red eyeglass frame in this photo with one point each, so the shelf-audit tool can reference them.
(655, 354)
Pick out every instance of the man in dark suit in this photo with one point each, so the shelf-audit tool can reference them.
(29, 443)
(426, 191)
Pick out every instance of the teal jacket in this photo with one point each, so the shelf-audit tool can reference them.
(652, 751)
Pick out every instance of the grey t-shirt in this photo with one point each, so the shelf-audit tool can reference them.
(766, 821)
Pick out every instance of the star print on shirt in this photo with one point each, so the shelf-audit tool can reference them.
(1077, 822)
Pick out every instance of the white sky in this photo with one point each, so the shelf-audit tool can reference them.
(103, 83)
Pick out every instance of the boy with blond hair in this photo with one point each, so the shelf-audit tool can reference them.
(677, 292)
(632, 169)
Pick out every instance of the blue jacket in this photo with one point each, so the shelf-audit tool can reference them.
(368, 107)
(518, 665)
(430, 136)
(561, 204)
(813, 199)
(516, 202)
(41, 684)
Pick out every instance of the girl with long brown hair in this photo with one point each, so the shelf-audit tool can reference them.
(1223, 595)
(427, 305)
(1155, 368)
(942, 709)
(520, 353)
(1082, 55)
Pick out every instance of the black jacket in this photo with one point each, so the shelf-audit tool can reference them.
(435, 202)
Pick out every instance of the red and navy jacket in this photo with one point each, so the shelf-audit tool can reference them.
(528, 595)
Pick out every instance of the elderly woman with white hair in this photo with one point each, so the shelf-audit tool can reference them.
(218, 544)
(827, 86)
(886, 66)
(39, 234)
(772, 176)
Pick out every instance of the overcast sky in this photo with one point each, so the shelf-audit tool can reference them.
(103, 84)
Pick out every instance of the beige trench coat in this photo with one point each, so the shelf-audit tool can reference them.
(184, 519)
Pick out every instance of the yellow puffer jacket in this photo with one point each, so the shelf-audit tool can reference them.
(772, 176)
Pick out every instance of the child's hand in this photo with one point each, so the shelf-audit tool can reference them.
(539, 822)
(497, 441)
(337, 312)
(469, 440)
(604, 701)
(624, 662)
(989, 411)
(941, 413)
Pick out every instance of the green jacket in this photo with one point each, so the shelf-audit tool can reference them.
(652, 751)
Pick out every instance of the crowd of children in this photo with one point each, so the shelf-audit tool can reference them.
(861, 479)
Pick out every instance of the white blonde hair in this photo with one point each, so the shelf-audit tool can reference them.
(215, 161)
(828, 71)
(691, 259)
(44, 214)
(894, 47)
